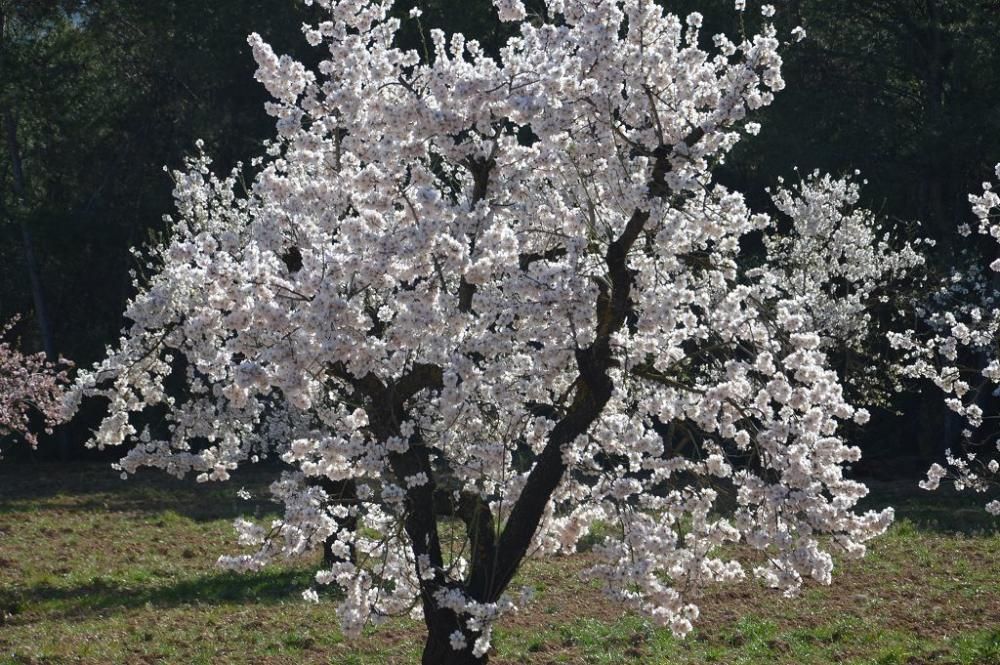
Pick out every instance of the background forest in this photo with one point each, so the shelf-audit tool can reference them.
(98, 96)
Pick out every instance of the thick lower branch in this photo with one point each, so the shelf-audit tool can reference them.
(594, 389)
(481, 530)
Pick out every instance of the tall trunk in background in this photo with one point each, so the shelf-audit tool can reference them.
(30, 262)
(37, 295)
(935, 74)
(939, 174)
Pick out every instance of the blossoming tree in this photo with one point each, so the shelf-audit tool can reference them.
(29, 384)
(958, 353)
(503, 294)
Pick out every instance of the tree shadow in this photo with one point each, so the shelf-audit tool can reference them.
(102, 596)
(97, 487)
(943, 511)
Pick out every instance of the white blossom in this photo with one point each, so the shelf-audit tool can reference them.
(962, 319)
(458, 641)
(412, 306)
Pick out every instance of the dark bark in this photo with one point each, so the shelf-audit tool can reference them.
(343, 492)
(20, 194)
(441, 623)
(31, 264)
(481, 529)
(480, 170)
(496, 560)
(594, 389)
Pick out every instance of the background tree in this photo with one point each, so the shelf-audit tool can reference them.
(908, 93)
(955, 348)
(30, 386)
(109, 92)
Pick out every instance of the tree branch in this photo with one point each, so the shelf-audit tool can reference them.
(594, 390)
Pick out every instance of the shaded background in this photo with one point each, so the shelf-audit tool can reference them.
(97, 96)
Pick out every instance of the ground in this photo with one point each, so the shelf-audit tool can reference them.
(94, 569)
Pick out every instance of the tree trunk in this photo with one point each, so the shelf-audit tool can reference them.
(441, 623)
(13, 149)
(31, 264)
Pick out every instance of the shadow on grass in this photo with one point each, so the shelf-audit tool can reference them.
(101, 596)
(97, 487)
(943, 511)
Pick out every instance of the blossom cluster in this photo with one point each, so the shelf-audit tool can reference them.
(958, 352)
(507, 289)
(29, 384)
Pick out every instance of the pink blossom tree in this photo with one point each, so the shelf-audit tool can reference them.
(506, 292)
(29, 385)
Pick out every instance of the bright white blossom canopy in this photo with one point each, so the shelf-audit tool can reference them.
(506, 287)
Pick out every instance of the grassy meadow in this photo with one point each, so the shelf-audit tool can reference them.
(94, 569)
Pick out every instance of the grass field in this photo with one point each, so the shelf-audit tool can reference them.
(98, 570)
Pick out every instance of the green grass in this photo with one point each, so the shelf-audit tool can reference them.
(98, 570)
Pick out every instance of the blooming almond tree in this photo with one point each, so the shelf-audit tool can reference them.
(849, 273)
(480, 302)
(29, 384)
(960, 356)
